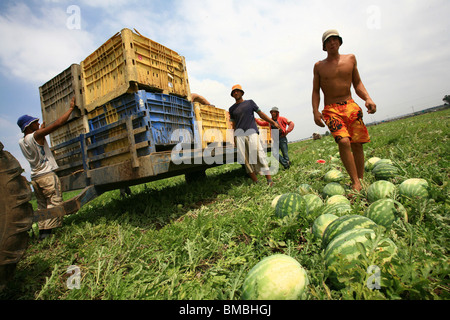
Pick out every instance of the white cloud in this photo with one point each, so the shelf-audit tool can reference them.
(40, 45)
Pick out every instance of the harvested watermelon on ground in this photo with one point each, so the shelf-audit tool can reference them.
(385, 211)
(313, 202)
(369, 164)
(305, 188)
(414, 188)
(333, 188)
(321, 223)
(277, 277)
(333, 175)
(339, 208)
(381, 189)
(290, 204)
(345, 223)
(338, 198)
(384, 171)
(344, 252)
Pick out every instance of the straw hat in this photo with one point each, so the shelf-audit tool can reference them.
(330, 33)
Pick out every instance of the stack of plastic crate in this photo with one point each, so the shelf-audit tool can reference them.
(55, 96)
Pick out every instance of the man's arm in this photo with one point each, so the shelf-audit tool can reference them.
(361, 91)
(268, 119)
(261, 123)
(290, 127)
(39, 135)
(318, 119)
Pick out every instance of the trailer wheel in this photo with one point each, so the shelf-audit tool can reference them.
(16, 214)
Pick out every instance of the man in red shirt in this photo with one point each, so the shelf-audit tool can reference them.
(282, 144)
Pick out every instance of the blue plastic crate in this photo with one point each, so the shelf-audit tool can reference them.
(159, 113)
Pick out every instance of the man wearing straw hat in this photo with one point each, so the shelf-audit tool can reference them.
(248, 144)
(286, 127)
(335, 75)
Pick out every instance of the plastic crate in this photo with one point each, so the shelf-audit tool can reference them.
(55, 96)
(156, 116)
(213, 124)
(128, 62)
(265, 135)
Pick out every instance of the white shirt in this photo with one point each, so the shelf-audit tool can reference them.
(40, 157)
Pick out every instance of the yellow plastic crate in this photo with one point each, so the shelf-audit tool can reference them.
(128, 62)
(213, 124)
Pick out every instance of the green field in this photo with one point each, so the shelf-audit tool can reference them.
(174, 241)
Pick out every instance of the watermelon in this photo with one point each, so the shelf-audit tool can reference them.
(384, 171)
(276, 277)
(305, 188)
(290, 203)
(344, 245)
(414, 188)
(321, 223)
(385, 211)
(333, 188)
(313, 202)
(369, 164)
(383, 161)
(381, 189)
(339, 208)
(333, 175)
(345, 223)
(275, 200)
(337, 198)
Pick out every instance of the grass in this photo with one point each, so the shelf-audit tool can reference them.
(172, 241)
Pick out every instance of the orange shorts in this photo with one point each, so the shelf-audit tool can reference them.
(345, 120)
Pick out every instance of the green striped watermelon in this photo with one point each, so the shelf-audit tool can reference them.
(345, 245)
(275, 200)
(381, 189)
(277, 277)
(321, 223)
(313, 202)
(305, 188)
(384, 171)
(290, 203)
(332, 189)
(383, 161)
(343, 253)
(337, 198)
(369, 164)
(414, 188)
(346, 223)
(385, 211)
(339, 208)
(333, 175)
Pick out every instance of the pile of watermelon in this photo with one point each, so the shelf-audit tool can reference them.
(337, 226)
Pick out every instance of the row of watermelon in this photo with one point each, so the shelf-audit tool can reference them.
(342, 234)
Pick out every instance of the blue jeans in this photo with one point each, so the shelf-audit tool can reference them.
(283, 146)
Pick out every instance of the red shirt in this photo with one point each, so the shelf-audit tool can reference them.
(282, 121)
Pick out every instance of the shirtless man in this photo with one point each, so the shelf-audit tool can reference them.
(335, 76)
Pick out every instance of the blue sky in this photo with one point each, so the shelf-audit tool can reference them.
(267, 46)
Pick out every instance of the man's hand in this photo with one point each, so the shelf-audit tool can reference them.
(371, 106)
(72, 103)
(318, 119)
